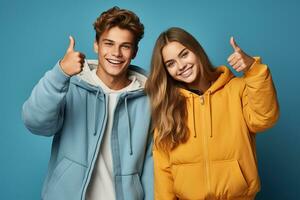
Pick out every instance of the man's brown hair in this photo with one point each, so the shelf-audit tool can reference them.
(121, 18)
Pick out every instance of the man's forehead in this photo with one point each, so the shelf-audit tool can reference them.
(117, 35)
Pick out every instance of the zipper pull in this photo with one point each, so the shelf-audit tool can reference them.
(201, 99)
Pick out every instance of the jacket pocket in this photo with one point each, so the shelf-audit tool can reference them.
(189, 181)
(65, 181)
(131, 186)
(227, 179)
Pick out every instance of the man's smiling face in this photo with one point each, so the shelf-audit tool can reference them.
(116, 48)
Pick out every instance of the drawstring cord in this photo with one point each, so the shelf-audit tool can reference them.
(95, 113)
(209, 107)
(129, 128)
(128, 120)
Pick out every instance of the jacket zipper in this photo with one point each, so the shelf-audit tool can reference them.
(116, 159)
(205, 147)
(90, 170)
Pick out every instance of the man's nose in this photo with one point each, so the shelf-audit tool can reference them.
(117, 51)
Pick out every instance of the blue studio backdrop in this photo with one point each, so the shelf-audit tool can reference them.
(34, 36)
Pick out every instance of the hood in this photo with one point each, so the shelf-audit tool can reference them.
(85, 78)
(225, 76)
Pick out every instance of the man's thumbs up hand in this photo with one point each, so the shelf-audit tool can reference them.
(71, 45)
(72, 62)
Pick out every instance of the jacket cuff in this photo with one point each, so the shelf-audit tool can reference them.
(256, 68)
(59, 75)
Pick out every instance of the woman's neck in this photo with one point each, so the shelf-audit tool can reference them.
(201, 86)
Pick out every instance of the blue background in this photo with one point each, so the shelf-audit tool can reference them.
(34, 35)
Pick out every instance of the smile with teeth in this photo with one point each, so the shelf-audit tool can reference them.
(115, 62)
(186, 73)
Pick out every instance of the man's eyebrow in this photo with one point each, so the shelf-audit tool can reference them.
(112, 41)
(127, 43)
(107, 40)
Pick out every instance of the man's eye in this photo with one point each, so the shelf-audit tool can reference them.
(126, 47)
(108, 43)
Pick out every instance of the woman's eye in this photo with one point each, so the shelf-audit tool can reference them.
(170, 64)
(185, 54)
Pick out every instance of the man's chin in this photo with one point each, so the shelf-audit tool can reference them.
(116, 73)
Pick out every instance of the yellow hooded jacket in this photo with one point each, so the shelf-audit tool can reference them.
(219, 159)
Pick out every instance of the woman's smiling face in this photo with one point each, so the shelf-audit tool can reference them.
(181, 63)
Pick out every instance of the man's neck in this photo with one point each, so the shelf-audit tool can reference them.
(114, 83)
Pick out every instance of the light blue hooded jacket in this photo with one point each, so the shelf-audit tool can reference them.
(75, 113)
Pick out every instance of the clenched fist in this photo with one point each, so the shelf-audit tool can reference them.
(239, 60)
(72, 62)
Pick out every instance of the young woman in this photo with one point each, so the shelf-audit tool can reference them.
(205, 120)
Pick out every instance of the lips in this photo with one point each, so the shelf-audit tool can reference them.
(186, 73)
(115, 61)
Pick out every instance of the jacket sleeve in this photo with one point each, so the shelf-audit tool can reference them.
(260, 104)
(163, 180)
(43, 112)
(147, 173)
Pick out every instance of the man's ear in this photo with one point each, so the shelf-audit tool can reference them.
(135, 52)
(96, 47)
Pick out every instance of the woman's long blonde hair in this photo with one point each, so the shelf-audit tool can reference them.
(168, 106)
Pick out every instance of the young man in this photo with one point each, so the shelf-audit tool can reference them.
(99, 116)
